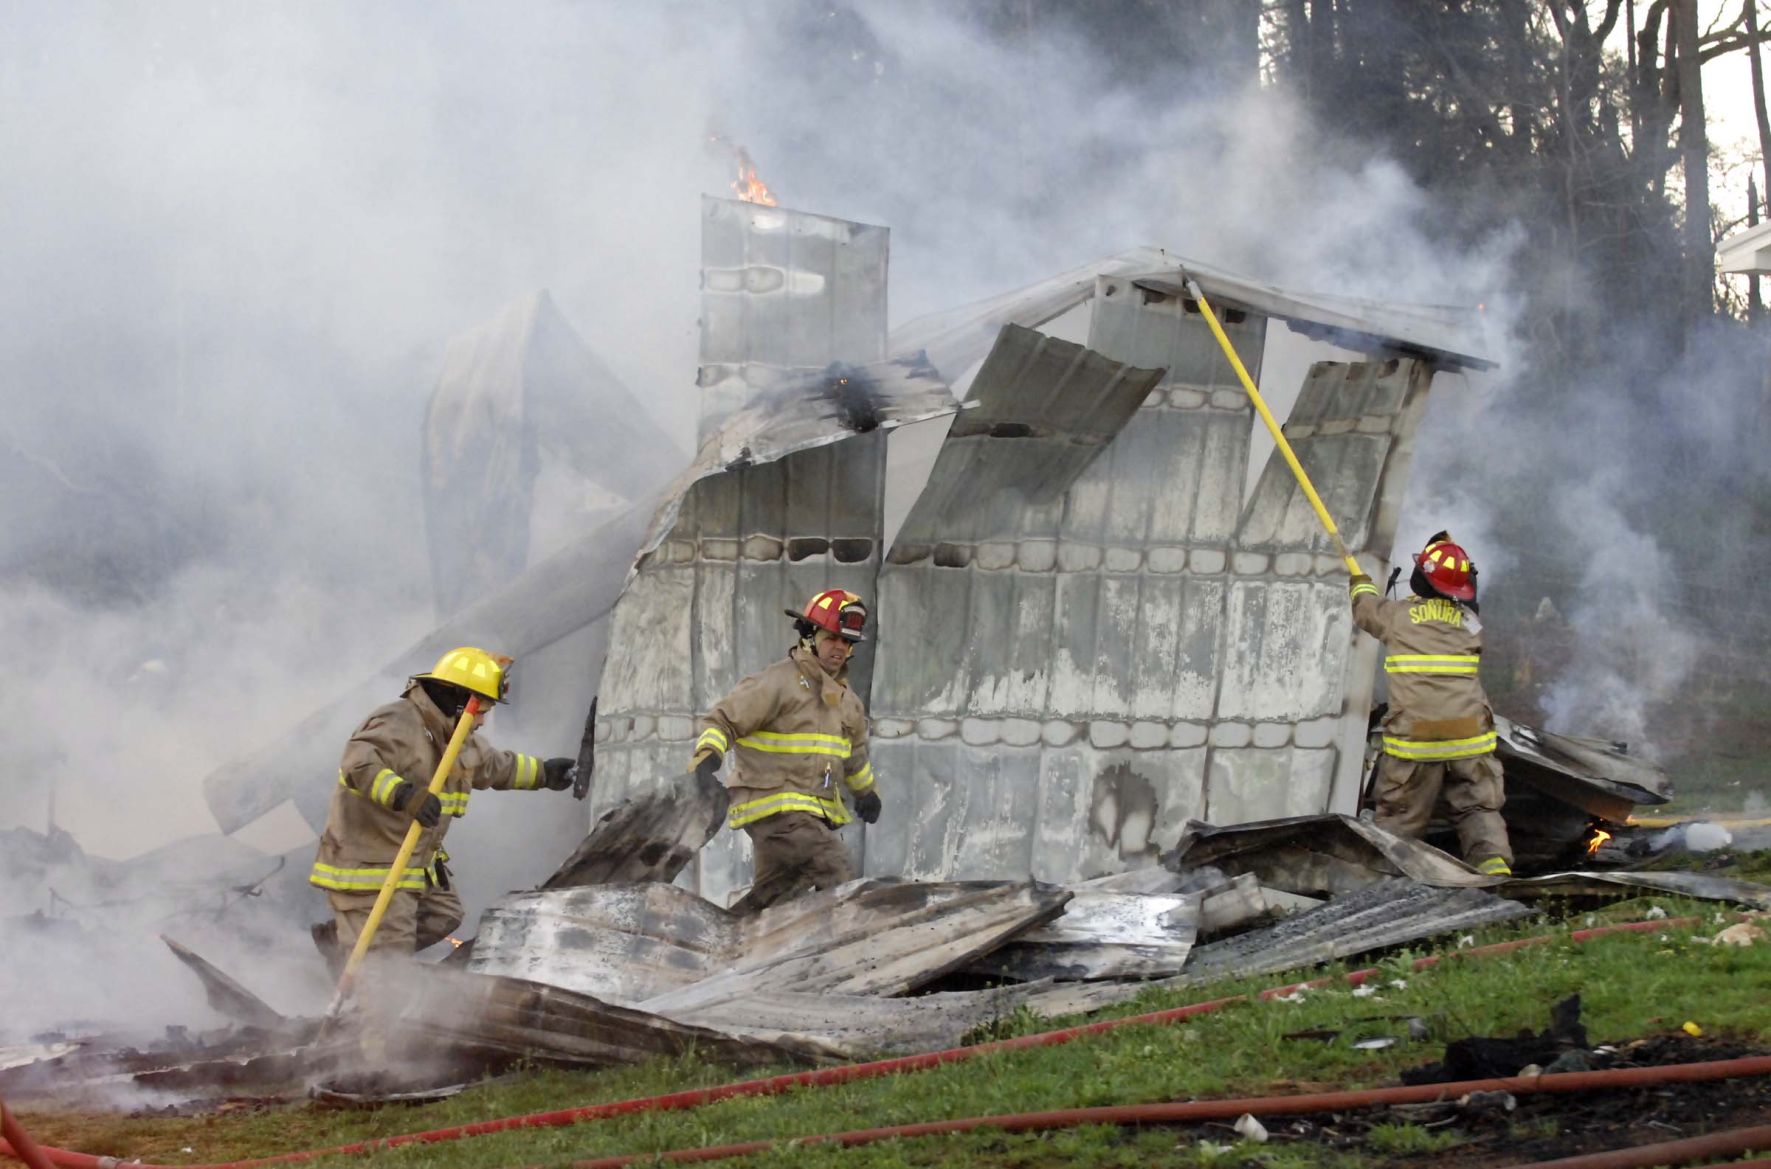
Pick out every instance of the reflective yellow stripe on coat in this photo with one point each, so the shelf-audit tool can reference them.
(750, 811)
(1439, 750)
(715, 739)
(861, 780)
(835, 746)
(1432, 663)
(528, 776)
(365, 880)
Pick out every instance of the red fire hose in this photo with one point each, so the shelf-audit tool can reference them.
(847, 1073)
(1703, 1148)
(19, 1142)
(1200, 1111)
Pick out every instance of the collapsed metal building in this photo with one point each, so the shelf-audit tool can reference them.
(1089, 630)
(1085, 635)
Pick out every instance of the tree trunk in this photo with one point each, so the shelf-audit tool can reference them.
(1759, 109)
(1700, 253)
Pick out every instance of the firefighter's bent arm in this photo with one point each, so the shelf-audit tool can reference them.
(371, 759)
(750, 706)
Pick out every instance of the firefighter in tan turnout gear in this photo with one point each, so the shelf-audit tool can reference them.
(798, 736)
(382, 787)
(1438, 738)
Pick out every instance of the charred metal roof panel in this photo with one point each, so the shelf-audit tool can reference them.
(1387, 913)
(783, 293)
(953, 340)
(1447, 336)
(1318, 855)
(1544, 758)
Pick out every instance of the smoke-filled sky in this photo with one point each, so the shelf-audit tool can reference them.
(234, 240)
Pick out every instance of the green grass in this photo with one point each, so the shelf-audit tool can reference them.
(1631, 985)
(1395, 1140)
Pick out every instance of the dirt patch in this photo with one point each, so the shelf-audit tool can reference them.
(1543, 1127)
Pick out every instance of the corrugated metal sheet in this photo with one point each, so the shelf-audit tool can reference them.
(783, 294)
(1388, 913)
(1049, 671)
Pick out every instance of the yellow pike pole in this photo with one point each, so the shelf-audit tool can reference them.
(382, 899)
(1291, 459)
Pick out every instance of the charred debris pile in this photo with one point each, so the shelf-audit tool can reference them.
(611, 962)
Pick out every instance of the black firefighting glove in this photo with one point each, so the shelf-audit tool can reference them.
(426, 809)
(867, 805)
(557, 774)
(705, 763)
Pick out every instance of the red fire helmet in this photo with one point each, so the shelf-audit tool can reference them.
(1447, 568)
(836, 611)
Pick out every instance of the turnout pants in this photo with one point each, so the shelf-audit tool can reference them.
(795, 852)
(413, 920)
(1471, 790)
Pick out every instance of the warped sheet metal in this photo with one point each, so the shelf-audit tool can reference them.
(506, 1020)
(570, 590)
(783, 294)
(1291, 655)
(648, 837)
(660, 948)
(1058, 402)
(1615, 885)
(1448, 337)
(1318, 855)
(1389, 913)
(1102, 935)
(518, 395)
(954, 340)
(1596, 775)
(1048, 670)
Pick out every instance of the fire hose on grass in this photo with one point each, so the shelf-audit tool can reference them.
(851, 1073)
(384, 898)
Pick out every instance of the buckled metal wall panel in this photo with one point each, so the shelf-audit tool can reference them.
(783, 294)
(1047, 670)
(1297, 678)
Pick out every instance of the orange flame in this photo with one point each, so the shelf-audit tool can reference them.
(748, 185)
(1600, 836)
(453, 941)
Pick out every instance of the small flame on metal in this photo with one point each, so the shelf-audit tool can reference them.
(453, 941)
(1600, 836)
(749, 185)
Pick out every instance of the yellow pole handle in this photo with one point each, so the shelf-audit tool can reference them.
(384, 898)
(1260, 405)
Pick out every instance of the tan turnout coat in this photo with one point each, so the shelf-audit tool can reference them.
(404, 740)
(1432, 652)
(793, 733)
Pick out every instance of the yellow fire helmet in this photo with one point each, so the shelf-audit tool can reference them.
(475, 671)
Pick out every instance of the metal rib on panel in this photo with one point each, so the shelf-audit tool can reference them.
(1296, 687)
(1047, 667)
(783, 294)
